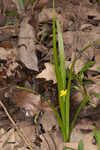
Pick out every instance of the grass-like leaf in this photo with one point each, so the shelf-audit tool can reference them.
(96, 95)
(62, 81)
(21, 4)
(77, 88)
(12, 13)
(61, 56)
(80, 146)
(98, 69)
(65, 148)
(97, 136)
(85, 67)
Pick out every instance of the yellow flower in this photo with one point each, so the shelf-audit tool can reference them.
(63, 92)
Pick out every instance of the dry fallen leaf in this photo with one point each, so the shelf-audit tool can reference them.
(79, 64)
(41, 4)
(94, 88)
(3, 53)
(47, 142)
(97, 63)
(77, 135)
(48, 73)
(27, 46)
(46, 15)
(79, 40)
(7, 141)
(3, 20)
(6, 44)
(10, 140)
(17, 6)
(71, 145)
(29, 131)
(48, 121)
(30, 102)
(87, 138)
(10, 57)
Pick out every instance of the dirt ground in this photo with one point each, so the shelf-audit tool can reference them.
(26, 60)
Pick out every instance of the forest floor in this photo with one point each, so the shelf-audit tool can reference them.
(26, 60)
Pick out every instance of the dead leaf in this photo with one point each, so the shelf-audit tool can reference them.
(3, 20)
(46, 15)
(86, 26)
(97, 63)
(41, 4)
(77, 135)
(78, 64)
(48, 121)
(3, 53)
(94, 88)
(7, 141)
(48, 73)
(29, 131)
(17, 6)
(30, 102)
(47, 142)
(71, 145)
(94, 13)
(10, 140)
(6, 44)
(26, 51)
(79, 40)
(10, 57)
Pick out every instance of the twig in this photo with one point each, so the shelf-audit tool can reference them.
(14, 124)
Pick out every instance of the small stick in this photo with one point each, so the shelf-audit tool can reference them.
(14, 124)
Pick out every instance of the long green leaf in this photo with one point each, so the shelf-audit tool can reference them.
(57, 69)
(67, 105)
(77, 88)
(65, 148)
(54, 47)
(85, 67)
(58, 73)
(80, 146)
(61, 55)
(97, 136)
(62, 72)
(96, 95)
(21, 4)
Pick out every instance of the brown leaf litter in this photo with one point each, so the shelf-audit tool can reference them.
(29, 45)
(26, 50)
(30, 102)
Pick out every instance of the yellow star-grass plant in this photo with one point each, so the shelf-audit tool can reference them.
(63, 87)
